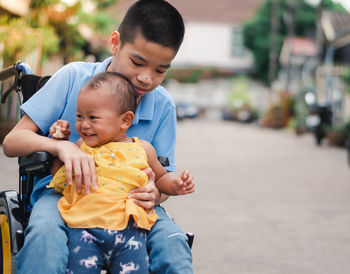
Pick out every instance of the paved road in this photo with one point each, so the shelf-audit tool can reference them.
(266, 201)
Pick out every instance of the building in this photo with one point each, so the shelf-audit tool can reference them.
(213, 35)
(297, 60)
(335, 55)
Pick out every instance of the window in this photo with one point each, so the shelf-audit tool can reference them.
(237, 48)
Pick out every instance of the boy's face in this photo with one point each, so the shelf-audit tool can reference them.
(98, 121)
(144, 63)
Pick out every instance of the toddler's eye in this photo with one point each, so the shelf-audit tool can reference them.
(92, 117)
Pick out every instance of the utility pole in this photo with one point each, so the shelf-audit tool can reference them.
(319, 30)
(290, 21)
(274, 40)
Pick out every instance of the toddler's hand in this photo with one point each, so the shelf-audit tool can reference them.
(60, 130)
(185, 183)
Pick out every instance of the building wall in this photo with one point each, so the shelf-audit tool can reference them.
(213, 45)
(346, 104)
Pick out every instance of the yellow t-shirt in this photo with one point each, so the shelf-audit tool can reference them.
(118, 168)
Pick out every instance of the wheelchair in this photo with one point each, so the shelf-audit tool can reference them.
(15, 207)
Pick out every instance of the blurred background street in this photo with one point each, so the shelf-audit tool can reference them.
(265, 202)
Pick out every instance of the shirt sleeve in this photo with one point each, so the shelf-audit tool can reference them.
(47, 105)
(164, 140)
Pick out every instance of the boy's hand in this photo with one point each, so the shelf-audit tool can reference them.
(147, 195)
(60, 130)
(184, 183)
(79, 163)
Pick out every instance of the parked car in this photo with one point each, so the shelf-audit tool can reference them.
(185, 110)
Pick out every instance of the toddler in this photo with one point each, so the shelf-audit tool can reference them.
(106, 228)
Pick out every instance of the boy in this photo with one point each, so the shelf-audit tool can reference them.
(142, 49)
(107, 216)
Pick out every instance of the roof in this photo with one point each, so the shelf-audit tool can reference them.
(219, 11)
(297, 47)
(336, 27)
(18, 7)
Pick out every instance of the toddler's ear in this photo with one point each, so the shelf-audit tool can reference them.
(127, 118)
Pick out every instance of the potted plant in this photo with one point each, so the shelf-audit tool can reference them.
(337, 136)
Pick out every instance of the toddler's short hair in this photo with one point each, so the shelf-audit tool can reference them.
(121, 87)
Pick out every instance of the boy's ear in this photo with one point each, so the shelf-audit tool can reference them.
(127, 118)
(114, 42)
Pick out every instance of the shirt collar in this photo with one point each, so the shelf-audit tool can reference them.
(103, 66)
(145, 108)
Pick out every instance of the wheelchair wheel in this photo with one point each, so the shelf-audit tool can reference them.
(7, 262)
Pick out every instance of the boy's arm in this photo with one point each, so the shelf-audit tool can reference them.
(57, 163)
(24, 140)
(166, 182)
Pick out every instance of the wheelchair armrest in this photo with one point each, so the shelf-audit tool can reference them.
(35, 164)
(190, 238)
(164, 161)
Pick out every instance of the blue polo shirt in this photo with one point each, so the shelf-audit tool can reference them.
(155, 116)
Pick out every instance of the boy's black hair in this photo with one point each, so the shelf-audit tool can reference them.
(157, 21)
(123, 90)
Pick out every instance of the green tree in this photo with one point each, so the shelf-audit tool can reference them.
(19, 39)
(53, 26)
(256, 32)
(68, 22)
